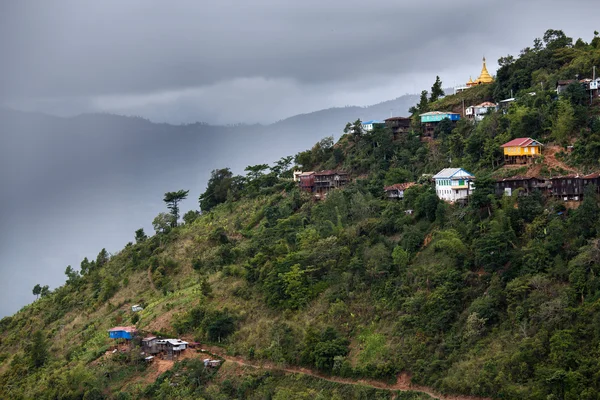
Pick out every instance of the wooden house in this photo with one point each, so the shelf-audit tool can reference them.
(592, 179)
(398, 125)
(454, 184)
(307, 181)
(430, 120)
(568, 187)
(325, 181)
(521, 150)
(149, 345)
(507, 186)
(171, 347)
(396, 191)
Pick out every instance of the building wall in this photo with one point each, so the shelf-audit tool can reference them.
(522, 151)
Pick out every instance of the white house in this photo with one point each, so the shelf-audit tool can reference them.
(477, 112)
(453, 184)
(369, 125)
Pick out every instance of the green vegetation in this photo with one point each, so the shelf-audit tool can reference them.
(498, 298)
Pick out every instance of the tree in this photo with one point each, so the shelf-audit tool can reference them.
(172, 199)
(282, 167)
(140, 235)
(190, 216)
(436, 90)
(72, 275)
(102, 258)
(45, 291)
(221, 182)
(37, 350)
(163, 222)
(423, 105)
(37, 290)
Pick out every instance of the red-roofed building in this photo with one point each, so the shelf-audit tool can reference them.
(396, 191)
(521, 150)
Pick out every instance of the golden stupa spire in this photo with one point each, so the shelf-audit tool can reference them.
(485, 76)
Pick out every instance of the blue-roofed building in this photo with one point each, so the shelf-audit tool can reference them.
(430, 120)
(122, 332)
(368, 126)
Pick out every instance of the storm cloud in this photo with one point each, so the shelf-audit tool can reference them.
(71, 186)
(237, 61)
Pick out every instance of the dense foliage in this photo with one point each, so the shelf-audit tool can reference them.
(497, 298)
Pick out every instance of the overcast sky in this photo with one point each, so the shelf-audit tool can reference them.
(220, 62)
(231, 61)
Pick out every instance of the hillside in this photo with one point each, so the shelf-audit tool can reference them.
(353, 296)
(108, 172)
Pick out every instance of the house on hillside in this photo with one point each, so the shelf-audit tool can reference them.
(368, 126)
(590, 85)
(478, 112)
(171, 347)
(430, 120)
(398, 125)
(322, 182)
(567, 187)
(507, 186)
(454, 184)
(149, 345)
(325, 181)
(122, 332)
(521, 150)
(307, 181)
(396, 191)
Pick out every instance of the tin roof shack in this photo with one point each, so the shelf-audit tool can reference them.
(325, 181)
(568, 187)
(398, 125)
(172, 347)
(149, 345)
(208, 363)
(307, 181)
(396, 191)
(430, 120)
(122, 332)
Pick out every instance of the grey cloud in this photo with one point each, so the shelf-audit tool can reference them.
(74, 49)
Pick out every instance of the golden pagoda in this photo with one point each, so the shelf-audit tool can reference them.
(484, 77)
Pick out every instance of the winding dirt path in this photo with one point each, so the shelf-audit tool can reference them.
(403, 383)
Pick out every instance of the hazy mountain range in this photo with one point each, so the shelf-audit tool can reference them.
(71, 186)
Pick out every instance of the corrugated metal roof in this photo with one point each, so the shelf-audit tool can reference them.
(398, 119)
(522, 142)
(399, 186)
(450, 172)
(373, 121)
(439, 113)
(129, 329)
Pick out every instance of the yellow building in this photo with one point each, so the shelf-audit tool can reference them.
(521, 150)
(484, 77)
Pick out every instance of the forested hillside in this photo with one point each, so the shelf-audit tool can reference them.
(498, 298)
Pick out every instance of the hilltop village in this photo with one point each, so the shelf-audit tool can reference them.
(453, 253)
(456, 184)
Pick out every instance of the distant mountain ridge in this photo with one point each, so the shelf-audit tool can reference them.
(110, 171)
